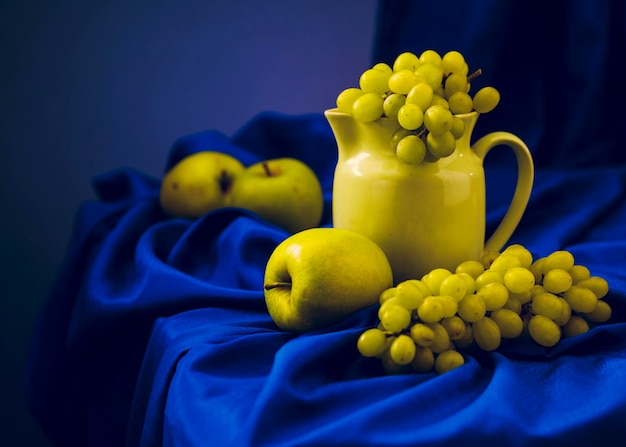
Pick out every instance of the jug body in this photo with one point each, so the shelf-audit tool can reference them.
(423, 216)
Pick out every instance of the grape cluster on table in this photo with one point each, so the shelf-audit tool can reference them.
(428, 323)
(426, 95)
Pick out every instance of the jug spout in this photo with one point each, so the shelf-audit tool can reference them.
(353, 136)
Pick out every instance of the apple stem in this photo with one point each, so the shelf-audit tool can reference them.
(266, 166)
(224, 181)
(275, 285)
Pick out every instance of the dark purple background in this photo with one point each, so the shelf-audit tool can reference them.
(87, 87)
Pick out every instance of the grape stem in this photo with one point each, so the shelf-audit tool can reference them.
(474, 75)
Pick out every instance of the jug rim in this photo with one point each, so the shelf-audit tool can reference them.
(336, 111)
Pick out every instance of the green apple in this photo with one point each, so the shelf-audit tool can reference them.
(199, 183)
(283, 191)
(321, 275)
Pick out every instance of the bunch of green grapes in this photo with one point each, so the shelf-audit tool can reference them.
(425, 95)
(427, 323)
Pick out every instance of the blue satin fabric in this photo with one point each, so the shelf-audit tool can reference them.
(156, 331)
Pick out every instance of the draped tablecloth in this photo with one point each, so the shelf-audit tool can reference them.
(156, 331)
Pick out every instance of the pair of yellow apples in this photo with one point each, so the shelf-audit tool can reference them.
(284, 191)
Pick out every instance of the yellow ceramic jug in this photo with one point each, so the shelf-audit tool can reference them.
(423, 216)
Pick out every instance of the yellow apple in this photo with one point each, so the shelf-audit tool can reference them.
(199, 183)
(283, 191)
(321, 275)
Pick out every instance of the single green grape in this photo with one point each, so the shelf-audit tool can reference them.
(398, 135)
(488, 257)
(465, 70)
(410, 293)
(450, 305)
(537, 269)
(367, 107)
(454, 62)
(467, 339)
(406, 61)
(374, 81)
(560, 259)
(441, 342)
(430, 57)
(392, 104)
(438, 119)
(438, 100)
(458, 127)
(422, 286)
(522, 253)
(402, 81)
(460, 102)
(424, 359)
(431, 310)
(601, 313)
(386, 294)
(395, 318)
(598, 285)
(575, 326)
(420, 95)
(473, 268)
(434, 278)
(486, 99)
(422, 334)
(410, 116)
(519, 279)
(513, 304)
(579, 273)
(557, 281)
(448, 360)
(383, 67)
(547, 304)
(442, 145)
(504, 262)
(372, 342)
(472, 308)
(390, 366)
(454, 285)
(346, 99)
(455, 326)
(389, 302)
(509, 322)
(470, 282)
(402, 350)
(544, 331)
(487, 334)
(494, 295)
(411, 150)
(566, 313)
(455, 82)
(431, 74)
(488, 277)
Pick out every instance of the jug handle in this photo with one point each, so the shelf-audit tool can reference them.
(525, 179)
